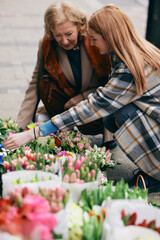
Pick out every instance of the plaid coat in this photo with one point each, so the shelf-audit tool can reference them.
(139, 136)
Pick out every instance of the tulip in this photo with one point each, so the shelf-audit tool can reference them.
(69, 166)
(77, 165)
(89, 177)
(93, 173)
(66, 178)
(73, 177)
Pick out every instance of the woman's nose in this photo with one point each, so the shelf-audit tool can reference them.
(64, 40)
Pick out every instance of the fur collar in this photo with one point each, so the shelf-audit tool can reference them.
(101, 63)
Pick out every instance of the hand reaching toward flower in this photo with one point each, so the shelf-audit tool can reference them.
(74, 101)
(16, 140)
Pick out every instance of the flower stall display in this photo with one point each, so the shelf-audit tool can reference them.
(134, 220)
(29, 178)
(57, 188)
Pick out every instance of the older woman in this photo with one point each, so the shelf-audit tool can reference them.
(130, 100)
(68, 68)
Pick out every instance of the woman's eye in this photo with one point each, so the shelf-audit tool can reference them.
(69, 34)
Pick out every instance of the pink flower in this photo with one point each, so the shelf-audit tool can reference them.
(73, 177)
(80, 146)
(33, 202)
(41, 232)
(89, 177)
(88, 144)
(6, 165)
(66, 178)
(60, 193)
(108, 159)
(11, 134)
(93, 172)
(76, 139)
(108, 151)
(71, 144)
(77, 165)
(70, 166)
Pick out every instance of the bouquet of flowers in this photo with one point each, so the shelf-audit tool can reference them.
(26, 159)
(102, 156)
(85, 225)
(99, 195)
(29, 216)
(73, 141)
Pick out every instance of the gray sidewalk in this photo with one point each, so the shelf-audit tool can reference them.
(21, 27)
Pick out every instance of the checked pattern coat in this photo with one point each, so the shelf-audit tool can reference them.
(139, 136)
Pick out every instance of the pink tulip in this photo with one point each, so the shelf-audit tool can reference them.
(89, 177)
(82, 159)
(45, 156)
(6, 165)
(66, 178)
(77, 165)
(59, 193)
(81, 181)
(77, 173)
(69, 166)
(73, 177)
(93, 173)
(77, 180)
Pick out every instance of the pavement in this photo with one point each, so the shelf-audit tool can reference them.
(21, 27)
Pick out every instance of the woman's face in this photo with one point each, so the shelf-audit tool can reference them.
(66, 35)
(98, 41)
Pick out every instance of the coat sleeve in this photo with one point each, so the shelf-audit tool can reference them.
(29, 103)
(119, 91)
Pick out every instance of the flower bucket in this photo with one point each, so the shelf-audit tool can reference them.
(114, 228)
(27, 178)
(76, 189)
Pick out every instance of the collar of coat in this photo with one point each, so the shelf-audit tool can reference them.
(101, 63)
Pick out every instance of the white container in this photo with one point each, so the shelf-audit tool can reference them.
(26, 176)
(114, 228)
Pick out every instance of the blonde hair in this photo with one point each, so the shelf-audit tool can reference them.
(60, 12)
(119, 33)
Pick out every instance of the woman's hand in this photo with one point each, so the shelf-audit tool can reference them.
(16, 140)
(74, 101)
